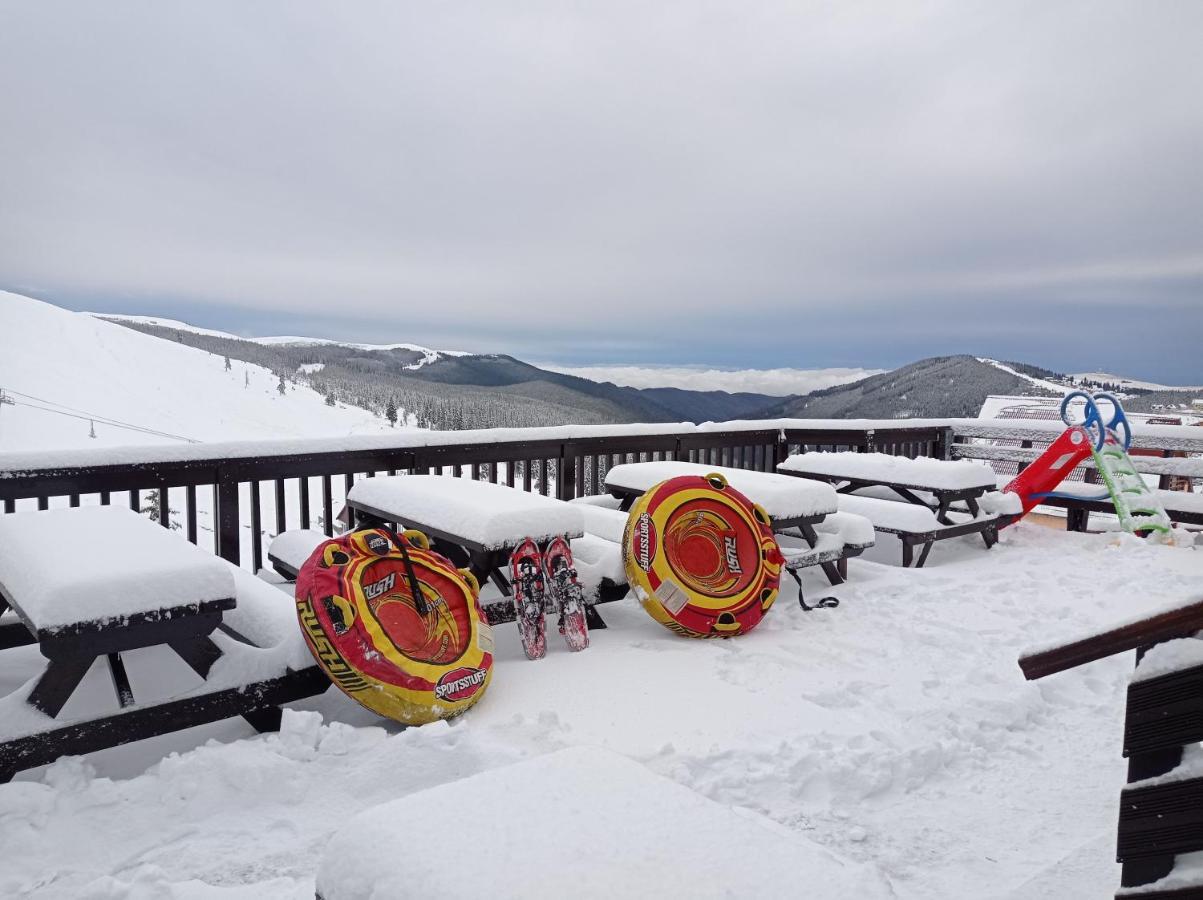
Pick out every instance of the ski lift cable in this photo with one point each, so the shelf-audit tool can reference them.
(115, 423)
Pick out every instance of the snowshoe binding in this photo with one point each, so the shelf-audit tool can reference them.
(526, 576)
(567, 593)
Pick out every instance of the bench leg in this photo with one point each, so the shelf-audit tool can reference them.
(833, 573)
(121, 686)
(199, 652)
(923, 556)
(990, 536)
(264, 720)
(58, 683)
(593, 618)
(908, 553)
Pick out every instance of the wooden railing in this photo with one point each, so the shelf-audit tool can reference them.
(245, 492)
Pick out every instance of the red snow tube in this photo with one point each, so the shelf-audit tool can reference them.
(701, 557)
(413, 661)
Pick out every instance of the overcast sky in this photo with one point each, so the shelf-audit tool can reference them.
(745, 184)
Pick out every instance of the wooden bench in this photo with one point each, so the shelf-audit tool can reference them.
(791, 504)
(98, 582)
(920, 501)
(909, 480)
(918, 526)
(1161, 808)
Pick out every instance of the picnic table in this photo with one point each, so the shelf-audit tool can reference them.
(475, 524)
(95, 582)
(946, 482)
(790, 502)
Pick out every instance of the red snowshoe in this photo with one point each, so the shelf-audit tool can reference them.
(526, 576)
(567, 592)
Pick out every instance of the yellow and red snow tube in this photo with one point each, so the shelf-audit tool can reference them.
(415, 662)
(701, 557)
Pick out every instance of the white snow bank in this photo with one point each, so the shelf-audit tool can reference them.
(597, 559)
(581, 822)
(605, 523)
(1169, 656)
(882, 467)
(100, 563)
(491, 515)
(852, 528)
(294, 547)
(782, 496)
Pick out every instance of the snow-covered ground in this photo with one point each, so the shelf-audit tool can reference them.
(70, 375)
(894, 732)
(1124, 382)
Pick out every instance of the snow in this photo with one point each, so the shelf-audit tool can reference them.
(70, 372)
(1168, 657)
(782, 496)
(428, 354)
(589, 823)
(1031, 379)
(892, 514)
(603, 522)
(596, 560)
(295, 546)
(490, 515)
(882, 467)
(1124, 382)
(64, 566)
(851, 528)
(895, 731)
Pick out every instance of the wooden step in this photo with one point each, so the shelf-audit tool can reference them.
(1164, 712)
(1161, 820)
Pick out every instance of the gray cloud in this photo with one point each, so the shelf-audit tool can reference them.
(749, 184)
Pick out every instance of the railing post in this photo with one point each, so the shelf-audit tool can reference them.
(780, 449)
(227, 518)
(943, 448)
(870, 443)
(565, 475)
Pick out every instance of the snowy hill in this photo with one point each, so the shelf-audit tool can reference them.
(427, 355)
(66, 373)
(1124, 382)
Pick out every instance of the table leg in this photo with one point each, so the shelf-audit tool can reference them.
(121, 686)
(58, 682)
(199, 652)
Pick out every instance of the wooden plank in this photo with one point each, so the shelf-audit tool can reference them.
(1180, 622)
(190, 512)
(256, 529)
(1162, 820)
(1164, 712)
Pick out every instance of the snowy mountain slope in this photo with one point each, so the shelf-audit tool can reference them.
(68, 372)
(1123, 382)
(1041, 383)
(428, 355)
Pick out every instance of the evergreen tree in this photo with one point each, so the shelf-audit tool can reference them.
(246, 378)
(280, 387)
(152, 510)
(228, 367)
(390, 412)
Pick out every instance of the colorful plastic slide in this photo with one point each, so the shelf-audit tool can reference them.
(1136, 505)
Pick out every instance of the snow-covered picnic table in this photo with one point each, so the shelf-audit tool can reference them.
(788, 501)
(475, 524)
(944, 481)
(97, 581)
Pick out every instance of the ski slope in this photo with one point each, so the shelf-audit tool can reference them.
(428, 355)
(68, 373)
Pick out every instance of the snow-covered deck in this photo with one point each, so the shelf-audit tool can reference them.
(895, 733)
